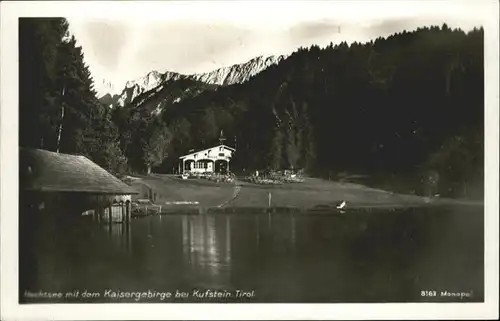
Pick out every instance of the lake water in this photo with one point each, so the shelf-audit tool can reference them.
(354, 257)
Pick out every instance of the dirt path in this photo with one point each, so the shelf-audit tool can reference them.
(236, 192)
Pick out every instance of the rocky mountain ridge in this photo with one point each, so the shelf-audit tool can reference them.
(224, 76)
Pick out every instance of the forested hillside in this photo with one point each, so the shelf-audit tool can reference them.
(407, 103)
(411, 102)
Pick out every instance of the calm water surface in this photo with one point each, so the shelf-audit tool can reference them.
(355, 257)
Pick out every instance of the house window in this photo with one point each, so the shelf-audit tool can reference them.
(221, 154)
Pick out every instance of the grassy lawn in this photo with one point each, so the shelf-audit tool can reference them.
(170, 189)
(311, 193)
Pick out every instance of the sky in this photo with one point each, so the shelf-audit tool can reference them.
(131, 40)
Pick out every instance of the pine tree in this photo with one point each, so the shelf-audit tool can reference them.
(158, 142)
(101, 142)
(59, 110)
(39, 43)
(76, 101)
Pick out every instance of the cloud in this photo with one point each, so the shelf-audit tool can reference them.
(307, 31)
(102, 41)
(384, 28)
(187, 47)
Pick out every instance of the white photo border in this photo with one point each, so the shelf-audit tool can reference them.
(11, 309)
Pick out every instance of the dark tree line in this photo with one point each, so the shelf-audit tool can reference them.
(410, 102)
(58, 108)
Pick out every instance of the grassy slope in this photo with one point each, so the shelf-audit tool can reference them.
(311, 193)
(172, 189)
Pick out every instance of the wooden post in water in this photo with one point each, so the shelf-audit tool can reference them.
(96, 210)
(99, 213)
(122, 211)
(96, 213)
(127, 211)
(110, 216)
(269, 200)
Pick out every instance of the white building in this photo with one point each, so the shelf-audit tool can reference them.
(210, 160)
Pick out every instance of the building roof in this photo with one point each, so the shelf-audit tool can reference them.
(202, 150)
(45, 171)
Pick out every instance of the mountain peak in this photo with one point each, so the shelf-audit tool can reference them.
(149, 81)
(237, 73)
(104, 87)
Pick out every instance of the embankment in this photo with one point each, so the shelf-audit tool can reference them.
(195, 196)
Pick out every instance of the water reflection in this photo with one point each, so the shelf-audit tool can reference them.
(206, 243)
(360, 257)
(120, 235)
(216, 248)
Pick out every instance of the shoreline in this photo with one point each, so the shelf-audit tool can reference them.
(197, 196)
(323, 210)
